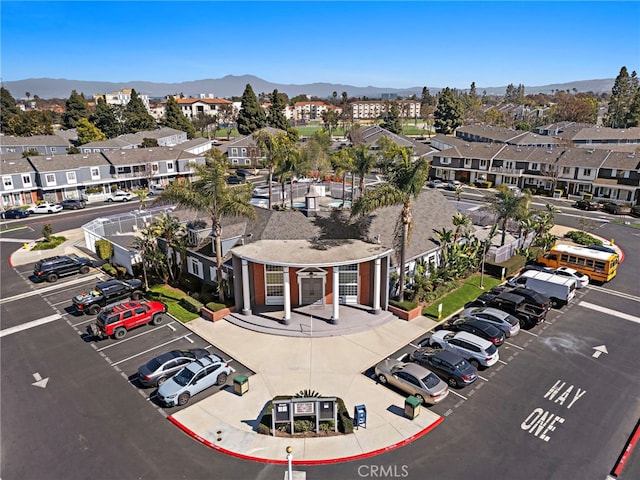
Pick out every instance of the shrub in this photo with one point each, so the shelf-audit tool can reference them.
(582, 238)
(108, 268)
(406, 305)
(104, 249)
(215, 306)
(190, 304)
(511, 266)
(121, 272)
(48, 245)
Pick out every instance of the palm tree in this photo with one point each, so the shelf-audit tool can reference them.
(363, 162)
(342, 164)
(174, 235)
(461, 221)
(405, 181)
(507, 206)
(274, 148)
(211, 194)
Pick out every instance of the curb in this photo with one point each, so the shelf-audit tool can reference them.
(329, 461)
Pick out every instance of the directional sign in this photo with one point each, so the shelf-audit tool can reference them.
(599, 350)
(40, 382)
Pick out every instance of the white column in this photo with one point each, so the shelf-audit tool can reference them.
(376, 287)
(287, 296)
(246, 294)
(336, 295)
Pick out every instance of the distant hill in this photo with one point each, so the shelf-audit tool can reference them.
(232, 85)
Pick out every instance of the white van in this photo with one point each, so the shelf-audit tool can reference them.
(561, 290)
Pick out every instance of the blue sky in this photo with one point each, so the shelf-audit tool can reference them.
(384, 44)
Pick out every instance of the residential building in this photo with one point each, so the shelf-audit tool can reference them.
(192, 107)
(43, 144)
(373, 109)
(244, 152)
(19, 185)
(121, 97)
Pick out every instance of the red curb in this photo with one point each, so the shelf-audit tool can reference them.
(209, 444)
(10, 262)
(627, 451)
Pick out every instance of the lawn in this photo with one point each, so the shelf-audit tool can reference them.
(455, 300)
(171, 297)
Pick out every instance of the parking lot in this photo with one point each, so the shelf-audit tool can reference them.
(136, 348)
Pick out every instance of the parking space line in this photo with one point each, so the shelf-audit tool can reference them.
(608, 311)
(134, 337)
(514, 345)
(500, 361)
(414, 346)
(171, 327)
(529, 333)
(188, 339)
(456, 393)
(39, 291)
(82, 322)
(482, 378)
(149, 350)
(28, 325)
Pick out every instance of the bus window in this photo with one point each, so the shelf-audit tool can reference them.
(564, 257)
(599, 266)
(580, 261)
(590, 263)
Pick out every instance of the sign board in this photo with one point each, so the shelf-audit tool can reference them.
(303, 408)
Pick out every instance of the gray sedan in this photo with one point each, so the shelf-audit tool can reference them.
(412, 379)
(158, 369)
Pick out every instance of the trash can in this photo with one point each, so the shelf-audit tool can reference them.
(412, 407)
(240, 384)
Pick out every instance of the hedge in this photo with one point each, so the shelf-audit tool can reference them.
(190, 304)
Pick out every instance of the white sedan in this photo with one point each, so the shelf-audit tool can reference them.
(121, 197)
(581, 279)
(46, 207)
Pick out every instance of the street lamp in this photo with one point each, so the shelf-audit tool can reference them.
(289, 459)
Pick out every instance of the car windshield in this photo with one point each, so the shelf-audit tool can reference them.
(431, 380)
(184, 377)
(512, 320)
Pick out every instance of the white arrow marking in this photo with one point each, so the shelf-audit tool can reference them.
(599, 350)
(39, 381)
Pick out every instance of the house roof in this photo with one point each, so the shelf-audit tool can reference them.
(51, 163)
(210, 101)
(10, 165)
(606, 133)
(580, 157)
(36, 140)
(147, 155)
(622, 161)
(489, 132)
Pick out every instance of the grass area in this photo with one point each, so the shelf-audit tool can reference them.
(53, 243)
(626, 223)
(171, 297)
(455, 300)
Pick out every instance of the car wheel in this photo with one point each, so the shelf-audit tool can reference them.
(222, 379)
(157, 319)
(474, 362)
(452, 382)
(84, 269)
(382, 379)
(125, 199)
(136, 295)
(183, 399)
(161, 380)
(94, 310)
(52, 277)
(119, 333)
(419, 397)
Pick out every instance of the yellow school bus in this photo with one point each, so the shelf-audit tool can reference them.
(597, 265)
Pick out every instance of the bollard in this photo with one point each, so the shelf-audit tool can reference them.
(25, 246)
(439, 312)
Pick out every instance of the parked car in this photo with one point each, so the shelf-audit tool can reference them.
(436, 183)
(587, 205)
(452, 368)
(14, 213)
(155, 190)
(197, 376)
(476, 350)
(534, 298)
(529, 315)
(244, 173)
(260, 192)
(616, 208)
(52, 268)
(235, 180)
(116, 321)
(635, 210)
(73, 204)
(107, 293)
(582, 280)
(506, 322)
(121, 196)
(159, 369)
(453, 185)
(46, 207)
(477, 327)
(413, 379)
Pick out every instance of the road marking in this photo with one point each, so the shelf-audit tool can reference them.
(613, 292)
(47, 289)
(514, 345)
(149, 350)
(528, 332)
(482, 378)
(456, 393)
(600, 349)
(608, 311)
(28, 325)
(39, 381)
(120, 342)
(500, 361)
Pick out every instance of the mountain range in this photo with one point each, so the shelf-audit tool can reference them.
(232, 85)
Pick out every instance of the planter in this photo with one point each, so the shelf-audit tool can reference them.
(217, 315)
(406, 314)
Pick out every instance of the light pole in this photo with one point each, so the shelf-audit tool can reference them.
(289, 461)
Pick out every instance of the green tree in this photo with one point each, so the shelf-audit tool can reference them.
(330, 119)
(29, 123)
(47, 232)
(405, 182)
(623, 92)
(363, 162)
(211, 195)
(251, 116)
(76, 107)
(448, 114)
(8, 109)
(276, 117)
(104, 118)
(316, 152)
(392, 120)
(342, 162)
(174, 118)
(136, 116)
(507, 206)
(205, 123)
(174, 235)
(229, 117)
(274, 149)
(88, 132)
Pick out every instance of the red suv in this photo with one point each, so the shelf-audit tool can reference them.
(116, 321)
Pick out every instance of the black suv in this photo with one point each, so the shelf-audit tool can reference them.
(73, 204)
(107, 293)
(529, 314)
(52, 268)
(457, 371)
(534, 298)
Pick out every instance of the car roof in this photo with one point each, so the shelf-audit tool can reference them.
(415, 369)
(471, 338)
(496, 312)
(448, 356)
